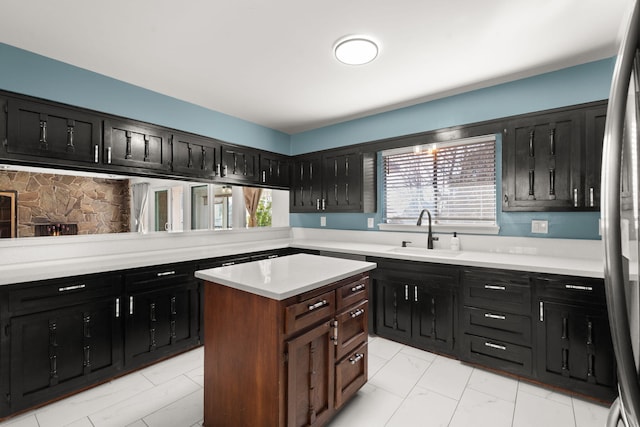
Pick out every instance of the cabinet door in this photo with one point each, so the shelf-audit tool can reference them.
(542, 158)
(393, 309)
(132, 144)
(433, 317)
(239, 164)
(342, 181)
(306, 184)
(274, 170)
(51, 134)
(310, 378)
(61, 350)
(195, 156)
(575, 349)
(160, 322)
(594, 137)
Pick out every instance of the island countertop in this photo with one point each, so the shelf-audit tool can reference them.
(287, 276)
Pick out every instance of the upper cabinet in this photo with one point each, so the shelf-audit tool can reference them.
(335, 181)
(551, 161)
(194, 155)
(274, 170)
(239, 164)
(46, 134)
(133, 144)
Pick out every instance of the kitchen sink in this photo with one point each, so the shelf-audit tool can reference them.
(443, 253)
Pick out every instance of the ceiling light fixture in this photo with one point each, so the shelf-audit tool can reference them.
(355, 50)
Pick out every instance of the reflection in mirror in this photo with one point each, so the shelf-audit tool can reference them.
(8, 214)
(199, 207)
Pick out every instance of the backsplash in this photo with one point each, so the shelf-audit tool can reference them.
(94, 205)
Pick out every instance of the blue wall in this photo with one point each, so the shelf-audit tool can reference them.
(575, 85)
(30, 74)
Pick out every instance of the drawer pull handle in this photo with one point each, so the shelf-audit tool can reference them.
(358, 287)
(356, 313)
(495, 287)
(71, 288)
(227, 264)
(495, 316)
(356, 358)
(166, 273)
(318, 304)
(579, 287)
(496, 346)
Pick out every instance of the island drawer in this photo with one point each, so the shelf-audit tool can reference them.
(351, 374)
(352, 293)
(512, 328)
(497, 354)
(310, 311)
(351, 328)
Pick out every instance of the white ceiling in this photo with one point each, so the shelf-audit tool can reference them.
(271, 62)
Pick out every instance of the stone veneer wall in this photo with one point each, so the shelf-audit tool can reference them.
(97, 205)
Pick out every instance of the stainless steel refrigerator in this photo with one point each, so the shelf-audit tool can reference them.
(620, 209)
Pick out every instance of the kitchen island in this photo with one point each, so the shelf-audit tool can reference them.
(285, 339)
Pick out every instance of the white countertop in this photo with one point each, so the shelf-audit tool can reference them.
(284, 277)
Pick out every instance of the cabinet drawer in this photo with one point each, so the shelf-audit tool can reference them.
(512, 328)
(159, 276)
(511, 294)
(497, 354)
(351, 374)
(571, 288)
(56, 293)
(352, 293)
(303, 314)
(352, 328)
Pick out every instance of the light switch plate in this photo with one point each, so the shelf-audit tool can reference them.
(369, 222)
(540, 226)
(323, 221)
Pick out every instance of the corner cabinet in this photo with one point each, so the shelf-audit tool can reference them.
(47, 133)
(302, 358)
(416, 303)
(65, 334)
(335, 181)
(551, 160)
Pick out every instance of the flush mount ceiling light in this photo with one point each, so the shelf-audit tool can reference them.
(355, 50)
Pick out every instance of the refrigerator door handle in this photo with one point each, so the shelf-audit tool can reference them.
(627, 407)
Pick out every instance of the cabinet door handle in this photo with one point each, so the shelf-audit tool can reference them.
(72, 287)
(324, 204)
(591, 197)
(166, 273)
(356, 313)
(578, 287)
(575, 197)
(356, 358)
(406, 292)
(43, 133)
(334, 338)
(131, 305)
(541, 311)
(317, 204)
(109, 155)
(117, 307)
(495, 287)
(496, 346)
(96, 149)
(318, 305)
(415, 294)
(495, 316)
(358, 287)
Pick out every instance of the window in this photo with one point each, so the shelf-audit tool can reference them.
(456, 181)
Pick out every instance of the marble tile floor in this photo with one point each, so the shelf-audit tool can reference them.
(407, 387)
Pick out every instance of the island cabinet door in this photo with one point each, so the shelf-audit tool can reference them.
(310, 377)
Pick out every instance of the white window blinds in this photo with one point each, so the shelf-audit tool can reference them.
(455, 181)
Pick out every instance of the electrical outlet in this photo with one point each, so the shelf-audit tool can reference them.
(540, 226)
(369, 222)
(323, 221)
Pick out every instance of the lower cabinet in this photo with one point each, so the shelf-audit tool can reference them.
(64, 335)
(416, 304)
(161, 312)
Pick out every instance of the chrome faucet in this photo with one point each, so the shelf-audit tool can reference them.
(430, 237)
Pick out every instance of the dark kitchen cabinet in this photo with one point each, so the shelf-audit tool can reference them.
(161, 312)
(495, 320)
(551, 161)
(50, 134)
(574, 340)
(274, 170)
(239, 164)
(193, 155)
(64, 335)
(416, 304)
(335, 181)
(137, 146)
